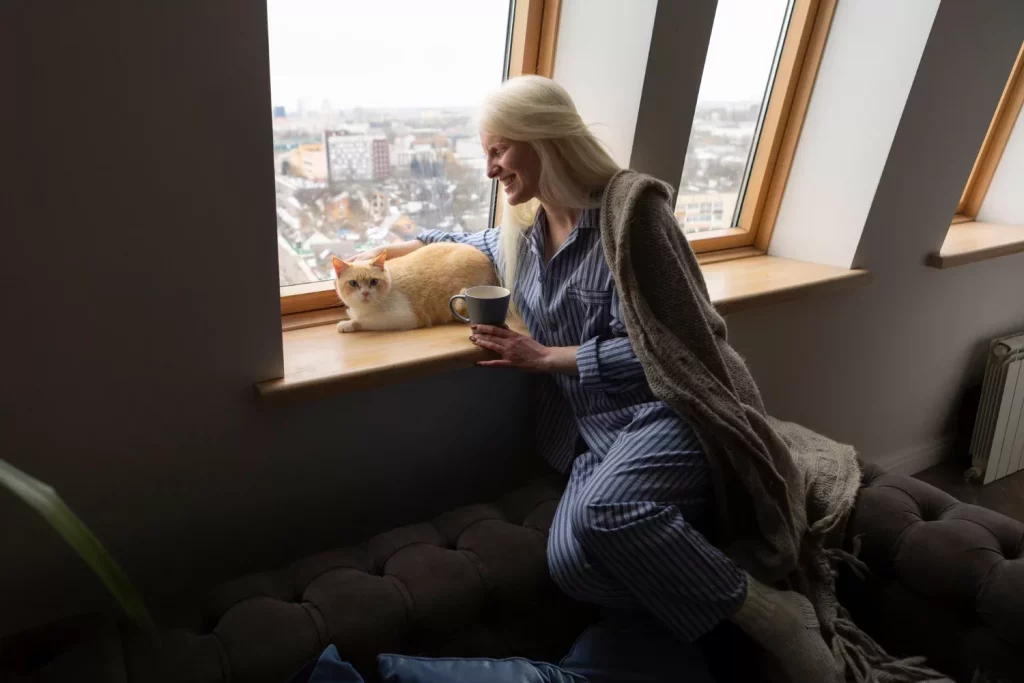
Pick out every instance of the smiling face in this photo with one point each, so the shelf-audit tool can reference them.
(515, 165)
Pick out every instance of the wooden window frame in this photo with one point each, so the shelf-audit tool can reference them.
(531, 51)
(1003, 121)
(802, 49)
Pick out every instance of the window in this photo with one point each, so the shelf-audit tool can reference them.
(372, 121)
(373, 107)
(759, 70)
(989, 220)
(991, 152)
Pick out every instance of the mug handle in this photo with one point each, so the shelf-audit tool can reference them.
(451, 307)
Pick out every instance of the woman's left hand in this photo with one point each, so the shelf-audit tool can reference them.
(516, 350)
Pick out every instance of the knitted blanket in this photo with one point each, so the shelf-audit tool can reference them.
(782, 492)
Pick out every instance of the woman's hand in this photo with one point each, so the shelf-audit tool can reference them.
(367, 255)
(523, 352)
(394, 251)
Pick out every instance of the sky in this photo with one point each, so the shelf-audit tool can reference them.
(386, 53)
(743, 41)
(434, 53)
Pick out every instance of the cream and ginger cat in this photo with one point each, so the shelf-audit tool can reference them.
(411, 291)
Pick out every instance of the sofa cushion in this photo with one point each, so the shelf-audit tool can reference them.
(952, 575)
(404, 669)
(471, 582)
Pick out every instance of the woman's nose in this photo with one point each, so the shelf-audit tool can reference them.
(493, 171)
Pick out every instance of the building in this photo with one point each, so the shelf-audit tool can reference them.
(468, 153)
(422, 154)
(381, 159)
(380, 206)
(338, 208)
(356, 157)
(703, 212)
(309, 161)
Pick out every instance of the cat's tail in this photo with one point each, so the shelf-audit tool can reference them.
(460, 305)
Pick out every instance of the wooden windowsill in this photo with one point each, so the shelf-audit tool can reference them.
(311, 296)
(320, 361)
(740, 285)
(969, 242)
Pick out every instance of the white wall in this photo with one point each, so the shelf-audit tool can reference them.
(883, 366)
(602, 50)
(1004, 202)
(864, 77)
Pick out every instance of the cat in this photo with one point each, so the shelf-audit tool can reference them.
(411, 291)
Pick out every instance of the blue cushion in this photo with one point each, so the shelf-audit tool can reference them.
(631, 647)
(401, 669)
(331, 669)
(624, 647)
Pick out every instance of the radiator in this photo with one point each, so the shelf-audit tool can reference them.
(997, 447)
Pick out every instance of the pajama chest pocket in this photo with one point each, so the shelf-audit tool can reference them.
(592, 311)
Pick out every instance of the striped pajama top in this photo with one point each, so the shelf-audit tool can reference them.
(571, 301)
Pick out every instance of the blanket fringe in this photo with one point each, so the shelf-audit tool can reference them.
(859, 657)
(864, 661)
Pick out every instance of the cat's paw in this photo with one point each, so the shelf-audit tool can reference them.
(348, 326)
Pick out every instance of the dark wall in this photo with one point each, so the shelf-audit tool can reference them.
(141, 301)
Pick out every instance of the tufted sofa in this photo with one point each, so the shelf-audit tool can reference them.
(947, 582)
(471, 582)
(948, 578)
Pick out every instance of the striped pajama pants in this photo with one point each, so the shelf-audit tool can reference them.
(623, 535)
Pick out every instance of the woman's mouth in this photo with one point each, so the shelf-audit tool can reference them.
(508, 181)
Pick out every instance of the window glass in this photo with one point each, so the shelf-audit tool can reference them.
(1000, 139)
(738, 71)
(372, 120)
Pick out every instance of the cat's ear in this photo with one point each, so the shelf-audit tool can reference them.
(339, 265)
(379, 261)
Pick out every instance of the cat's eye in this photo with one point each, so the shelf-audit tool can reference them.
(373, 282)
(353, 283)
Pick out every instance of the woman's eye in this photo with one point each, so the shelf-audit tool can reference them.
(373, 282)
(353, 283)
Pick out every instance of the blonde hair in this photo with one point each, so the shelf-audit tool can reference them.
(574, 165)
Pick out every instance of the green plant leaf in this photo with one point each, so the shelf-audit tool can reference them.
(44, 500)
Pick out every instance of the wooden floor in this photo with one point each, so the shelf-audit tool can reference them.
(1003, 495)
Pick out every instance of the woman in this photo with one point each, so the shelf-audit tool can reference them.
(628, 530)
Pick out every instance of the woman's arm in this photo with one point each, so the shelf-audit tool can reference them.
(523, 352)
(394, 250)
(562, 359)
(607, 363)
(485, 240)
